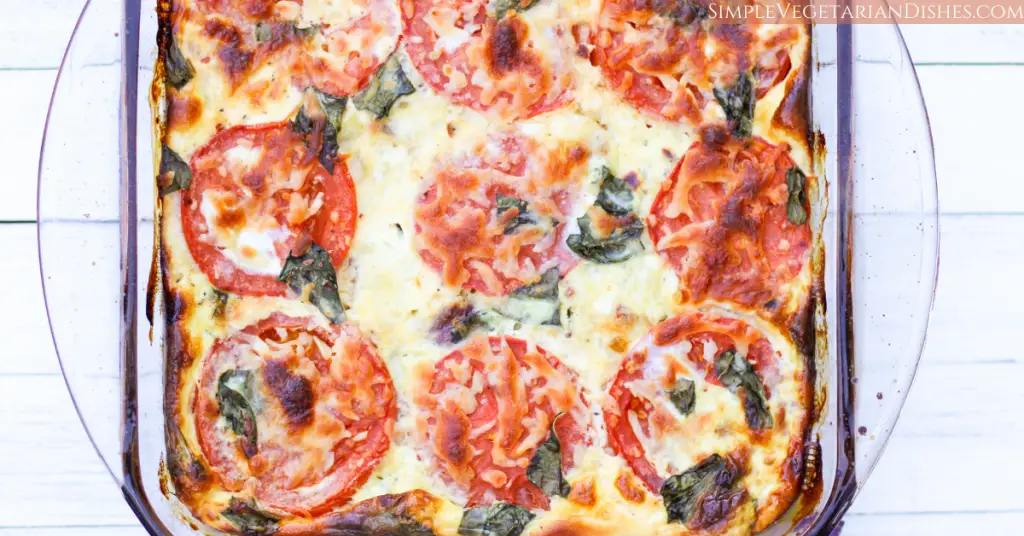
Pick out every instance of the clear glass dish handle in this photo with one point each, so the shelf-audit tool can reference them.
(895, 230)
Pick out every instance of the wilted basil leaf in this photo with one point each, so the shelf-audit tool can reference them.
(314, 268)
(703, 489)
(329, 147)
(381, 524)
(738, 103)
(302, 123)
(248, 518)
(536, 303)
(683, 396)
(523, 216)
(623, 243)
(736, 374)
(263, 32)
(545, 469)
(236, 400)
(795, 182)
(174, 172)
(455, 323)
(220, 303)
(333, 107)
(498, 519)
(384, 88)
(615, 196)
(502, 7)
(177, 69)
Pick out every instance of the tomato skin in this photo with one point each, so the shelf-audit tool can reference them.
(670, 65)
(728, 198)
(354, 459)
(698, 329)
(332, 227)
(461, 236)
(254, 33)
(464, 461)
(502, 49)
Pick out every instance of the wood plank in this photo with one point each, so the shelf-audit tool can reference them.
(934, 524)
(24, 98)
(964, 43)
(46, 460)
(973, 143)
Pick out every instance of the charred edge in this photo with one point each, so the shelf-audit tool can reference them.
(158, 89)
(403, 513)
(794, 112)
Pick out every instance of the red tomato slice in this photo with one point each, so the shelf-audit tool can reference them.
(720, 221)
(266, 185)
(664, 59)
(487, 64)
(324, 409)
(334, 50)
(461, 234)
(489, 406)
(640, 415)
(684, 346)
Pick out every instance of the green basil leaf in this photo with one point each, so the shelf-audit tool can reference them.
(683, 396)
(174, 172)
(523, 216)
(333, 107)
(329, 147)
(263, 32)
(536, 303)
(177, 69)
(704, 490)
(236, 399)
(302, 123)
(544, 289)
(380, 524)
(248, 518)
(455, 323)
(498, 519)
(795, 182)
(220, 303)
(738, 103)
(615, 196)
(314, 268)
(621, 245)
(545, 469)
(502, 7)
(736, 374)
(384, 88)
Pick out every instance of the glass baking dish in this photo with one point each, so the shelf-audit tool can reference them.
(880, 234)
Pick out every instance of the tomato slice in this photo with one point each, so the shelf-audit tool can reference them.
(473, 228)
(256, 192)
(505, 66)
(298, 410)
(490, 404)
(720, 220)
(334, 48)
(659, 440)
(666, 57)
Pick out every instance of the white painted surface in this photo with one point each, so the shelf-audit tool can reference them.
(951, 468)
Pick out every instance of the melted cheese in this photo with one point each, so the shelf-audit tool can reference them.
(394, 296)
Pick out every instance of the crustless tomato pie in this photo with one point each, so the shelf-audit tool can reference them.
(483, 267)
